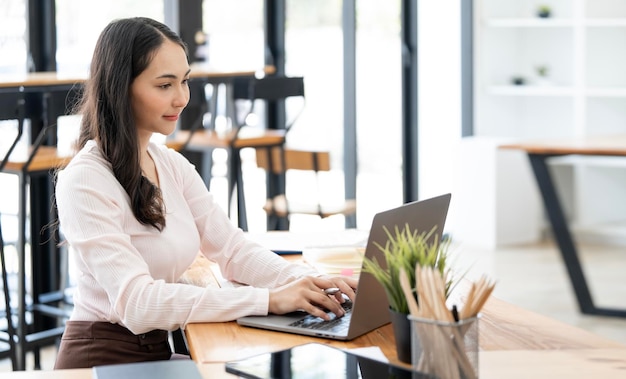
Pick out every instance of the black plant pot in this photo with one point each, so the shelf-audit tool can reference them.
(544, 13)
(402, 333)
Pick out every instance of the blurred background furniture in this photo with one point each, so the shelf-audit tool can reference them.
(41, 302)
(12, 108)
(248, 98)
(279, 161)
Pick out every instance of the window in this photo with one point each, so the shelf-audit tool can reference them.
(79, 24)
(314, 49)
(235, 33)
(13, 46)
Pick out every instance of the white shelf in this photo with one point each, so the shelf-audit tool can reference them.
(529, 22)
(530, 90)
(583, 45)
(605, 22)
(606, 92)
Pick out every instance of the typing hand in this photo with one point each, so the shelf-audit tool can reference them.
(308, 294)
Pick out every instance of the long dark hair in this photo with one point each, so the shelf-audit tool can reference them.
(124, 50)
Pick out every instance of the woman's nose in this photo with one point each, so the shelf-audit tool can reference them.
(182, 97)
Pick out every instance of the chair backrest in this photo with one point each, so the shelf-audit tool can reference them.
(270, 89)
(274, 88)
(292, 159)
(281, 159)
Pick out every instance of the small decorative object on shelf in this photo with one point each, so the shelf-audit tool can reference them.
(544, 11)
(542, 70)
(518, 80)
(542, 74)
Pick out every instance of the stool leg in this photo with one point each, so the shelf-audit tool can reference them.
(241, 200)
(7, 305)
(37, 358)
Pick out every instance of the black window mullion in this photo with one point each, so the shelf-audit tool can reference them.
(410, 135)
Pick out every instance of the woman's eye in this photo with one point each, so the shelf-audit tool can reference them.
(165, 86)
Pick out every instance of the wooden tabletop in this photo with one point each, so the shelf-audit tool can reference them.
(519, 364)
(545, 364)
(46, 158)
(613, 145)
(37, 79)
(249, 137)
(208, 371)
(50, 78)
(515, 344)
(502, 327)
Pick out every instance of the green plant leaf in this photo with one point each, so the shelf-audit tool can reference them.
(406, 249)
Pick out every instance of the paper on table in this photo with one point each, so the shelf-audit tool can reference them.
(335, 260)
(372, 352)
(286, 242)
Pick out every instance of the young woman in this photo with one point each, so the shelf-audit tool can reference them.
(136, 214)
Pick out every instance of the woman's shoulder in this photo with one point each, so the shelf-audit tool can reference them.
(89, 157)
(88, 162)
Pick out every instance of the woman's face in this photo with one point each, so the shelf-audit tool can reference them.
(161, 92)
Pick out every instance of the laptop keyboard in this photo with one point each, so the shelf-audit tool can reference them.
(335, 324)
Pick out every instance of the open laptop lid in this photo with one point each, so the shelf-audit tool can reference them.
(371, 307)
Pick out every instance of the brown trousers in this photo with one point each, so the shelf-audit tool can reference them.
(86, 344)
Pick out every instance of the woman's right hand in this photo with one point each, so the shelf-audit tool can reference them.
(306, 294)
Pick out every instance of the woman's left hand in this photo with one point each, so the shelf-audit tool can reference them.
(347, 285)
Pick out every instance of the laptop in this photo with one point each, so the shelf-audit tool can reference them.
(370, 308)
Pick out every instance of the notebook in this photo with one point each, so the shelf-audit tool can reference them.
(370, 308)
(170, 369)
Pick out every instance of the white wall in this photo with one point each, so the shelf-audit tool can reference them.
(439, 97)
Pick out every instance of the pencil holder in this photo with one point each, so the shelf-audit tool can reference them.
(444, 349)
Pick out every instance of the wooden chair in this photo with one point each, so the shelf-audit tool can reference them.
(281, 160)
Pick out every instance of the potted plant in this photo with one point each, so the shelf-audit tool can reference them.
(405, 249)
(544, 11)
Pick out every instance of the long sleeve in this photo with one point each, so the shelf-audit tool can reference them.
(128, 272)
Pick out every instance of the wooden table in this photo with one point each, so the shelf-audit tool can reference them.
(539, 152)
(42, 159)
(503, 327)
(51, 78)
(514, 343)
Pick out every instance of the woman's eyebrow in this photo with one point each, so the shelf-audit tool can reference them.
(172, 76)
